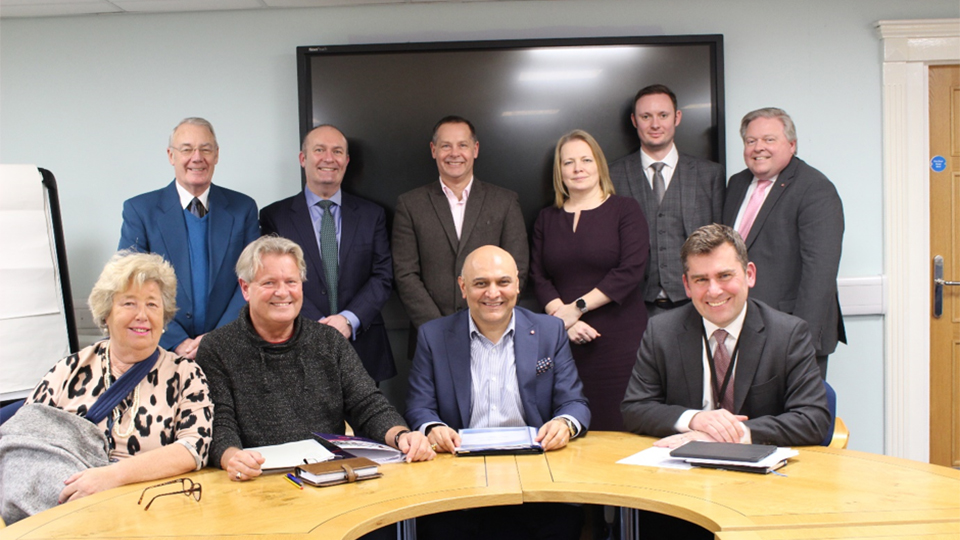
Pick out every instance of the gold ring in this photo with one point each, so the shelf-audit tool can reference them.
(433, 447)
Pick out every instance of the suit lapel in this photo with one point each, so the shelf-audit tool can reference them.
(349, 221)
(303, 223)
(471, 213)
(442, 208)
(690, 345)
(457, 355)
(221, 224)
(750, 347)
(173, 230)
(526, 344)
(639, 188)
(686, 175)
(783, 182)
(736, 191)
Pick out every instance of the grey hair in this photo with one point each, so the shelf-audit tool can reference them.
(789, 129)
(251, 259)
(194, 121)
(125, 269)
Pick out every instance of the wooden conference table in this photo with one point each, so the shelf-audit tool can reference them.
(826, 493)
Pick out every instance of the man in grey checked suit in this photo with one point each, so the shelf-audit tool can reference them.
(794, 232)
(691, 194)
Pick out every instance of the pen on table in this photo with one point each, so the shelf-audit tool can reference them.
(293, 480)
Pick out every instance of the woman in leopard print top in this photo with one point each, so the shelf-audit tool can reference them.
(163, 427)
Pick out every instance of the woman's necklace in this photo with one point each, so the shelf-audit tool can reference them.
(116, 410)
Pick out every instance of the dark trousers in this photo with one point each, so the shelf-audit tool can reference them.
(532, 521)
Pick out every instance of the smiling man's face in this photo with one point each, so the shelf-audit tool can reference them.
(455, 150)
(490, 284)
(194, 154)
(717, 284)
(275, 294)
(324, 159)
(766, 149)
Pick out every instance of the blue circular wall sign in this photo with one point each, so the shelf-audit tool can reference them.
(938, 163)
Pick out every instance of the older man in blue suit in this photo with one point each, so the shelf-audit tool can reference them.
(344, 240)
(201, 229)
(496, 365)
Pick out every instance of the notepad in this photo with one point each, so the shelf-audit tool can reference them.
(287, 456)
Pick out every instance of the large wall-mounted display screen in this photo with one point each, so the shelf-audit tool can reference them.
(521, 96)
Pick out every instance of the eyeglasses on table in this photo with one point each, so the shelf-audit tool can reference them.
(187, 487)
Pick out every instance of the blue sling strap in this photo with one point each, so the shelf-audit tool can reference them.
(121, 388)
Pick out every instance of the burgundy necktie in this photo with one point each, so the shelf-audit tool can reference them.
(721, 358)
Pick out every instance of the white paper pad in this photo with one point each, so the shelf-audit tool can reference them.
(656, 457)
(292, 454)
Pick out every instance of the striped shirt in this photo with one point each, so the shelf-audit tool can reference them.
(494, 391)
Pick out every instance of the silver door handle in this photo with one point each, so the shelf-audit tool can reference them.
(938, 284)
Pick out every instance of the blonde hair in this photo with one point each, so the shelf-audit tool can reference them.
(251, 259)
(128, 268)
(560, 190)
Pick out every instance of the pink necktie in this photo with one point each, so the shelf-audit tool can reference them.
(721, 358)
(753, 207)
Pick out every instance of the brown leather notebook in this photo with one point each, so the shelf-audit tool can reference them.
(338, 471)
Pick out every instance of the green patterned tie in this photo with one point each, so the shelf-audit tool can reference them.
(328, 252)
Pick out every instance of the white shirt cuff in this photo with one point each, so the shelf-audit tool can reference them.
(683, 423)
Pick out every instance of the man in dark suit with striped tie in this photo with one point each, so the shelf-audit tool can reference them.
(344, 241)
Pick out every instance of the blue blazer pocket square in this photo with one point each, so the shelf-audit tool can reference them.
(544, 365)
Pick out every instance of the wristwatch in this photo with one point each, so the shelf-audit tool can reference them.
(582, 305)
(570, 425)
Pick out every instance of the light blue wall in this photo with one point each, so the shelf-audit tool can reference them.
(93, 99)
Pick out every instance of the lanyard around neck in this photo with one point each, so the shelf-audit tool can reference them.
(718, 391)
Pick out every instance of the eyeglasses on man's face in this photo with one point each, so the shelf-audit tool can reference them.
(187, 487)
(205, 150)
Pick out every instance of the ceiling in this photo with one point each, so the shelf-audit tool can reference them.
(59, 8)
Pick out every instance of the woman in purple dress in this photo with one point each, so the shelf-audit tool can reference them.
(587, 266)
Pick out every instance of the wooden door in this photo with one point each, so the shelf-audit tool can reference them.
(945, 242)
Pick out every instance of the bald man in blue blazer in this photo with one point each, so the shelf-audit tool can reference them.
(201, 229)
(496, 365)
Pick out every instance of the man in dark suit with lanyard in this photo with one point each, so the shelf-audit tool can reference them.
(344, 240)
(678, 192)
(725, 369)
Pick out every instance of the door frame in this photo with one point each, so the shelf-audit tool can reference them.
(909, 47)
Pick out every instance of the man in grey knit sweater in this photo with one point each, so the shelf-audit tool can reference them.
(277, 377)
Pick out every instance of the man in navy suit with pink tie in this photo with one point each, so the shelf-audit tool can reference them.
(344, 240)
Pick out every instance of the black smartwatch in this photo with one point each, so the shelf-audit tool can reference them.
(582, 305)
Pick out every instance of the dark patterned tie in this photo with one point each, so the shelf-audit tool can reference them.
(721, 358)
(196, 208)
(328, 252)
(659, 185)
